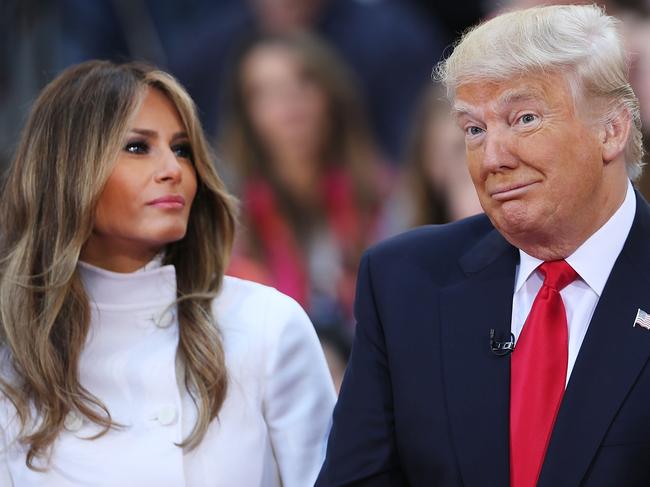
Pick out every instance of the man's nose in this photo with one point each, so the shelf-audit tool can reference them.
(499, 151)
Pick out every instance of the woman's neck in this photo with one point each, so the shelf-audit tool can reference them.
(299, 173)
(116, 256)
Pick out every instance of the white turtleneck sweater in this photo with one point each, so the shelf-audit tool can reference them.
(272, 426)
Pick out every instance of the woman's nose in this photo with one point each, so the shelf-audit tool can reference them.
(169, 167)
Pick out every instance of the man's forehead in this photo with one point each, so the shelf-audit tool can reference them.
(472, 96)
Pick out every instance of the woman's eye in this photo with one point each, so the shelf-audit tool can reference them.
(527, 118)
(184, 151)
(137, 147)
(473, 130)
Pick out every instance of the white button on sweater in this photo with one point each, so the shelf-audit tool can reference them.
(270, 431)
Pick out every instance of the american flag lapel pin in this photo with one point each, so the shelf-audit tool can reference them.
(642, 319)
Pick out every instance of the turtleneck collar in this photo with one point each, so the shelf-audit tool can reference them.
(152, 285)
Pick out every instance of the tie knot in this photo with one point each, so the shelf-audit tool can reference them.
(558, 274)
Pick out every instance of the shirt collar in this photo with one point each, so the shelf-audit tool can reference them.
(153, 284)
(602, 247)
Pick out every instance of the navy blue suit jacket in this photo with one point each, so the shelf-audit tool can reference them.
(425, 402)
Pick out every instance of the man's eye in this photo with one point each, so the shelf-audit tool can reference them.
(473, 130)
(137, 147)
(528, 118)
(184, 151)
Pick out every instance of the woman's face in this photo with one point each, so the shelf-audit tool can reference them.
(147, 199)
(286, 106)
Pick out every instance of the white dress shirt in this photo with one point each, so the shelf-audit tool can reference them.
(270, 431)
(593, 261)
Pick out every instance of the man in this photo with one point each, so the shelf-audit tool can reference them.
(432, 395)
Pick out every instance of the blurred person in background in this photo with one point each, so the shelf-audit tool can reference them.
(388, 45)
(453, 17)
(435, 185)
(637, 36)
(308, 173)
(337, 345)
(29, 52)
(190, 38)
(126, 356)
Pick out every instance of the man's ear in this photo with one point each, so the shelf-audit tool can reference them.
(614, 134)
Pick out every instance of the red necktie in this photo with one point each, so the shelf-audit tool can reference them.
(538, 375)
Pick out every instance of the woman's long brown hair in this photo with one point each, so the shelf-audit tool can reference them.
(66, 154)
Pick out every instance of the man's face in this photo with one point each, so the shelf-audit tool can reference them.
(536, 162)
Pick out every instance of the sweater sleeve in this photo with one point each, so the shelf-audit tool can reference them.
(6, 413)
(5, 476)
(298, 393)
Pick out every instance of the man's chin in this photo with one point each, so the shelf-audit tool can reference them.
(521, 228)
(513, 217)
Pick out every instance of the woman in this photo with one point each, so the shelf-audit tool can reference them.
(129, 359)
(310, 182)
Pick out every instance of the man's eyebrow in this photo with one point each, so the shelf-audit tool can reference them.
(459, 109)
(509, 97)
(506, 98)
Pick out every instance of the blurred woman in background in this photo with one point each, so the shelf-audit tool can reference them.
(127, 357)
(435, 186)
(307, 171)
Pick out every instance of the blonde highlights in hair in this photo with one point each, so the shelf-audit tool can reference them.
(67, 152)
(579, 41)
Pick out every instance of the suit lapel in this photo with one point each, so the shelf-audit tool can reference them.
(611, 357)
(477, 382)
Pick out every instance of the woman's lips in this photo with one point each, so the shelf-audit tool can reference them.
(511, 191)
(168, 202)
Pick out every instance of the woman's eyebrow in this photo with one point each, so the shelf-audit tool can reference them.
(145, 132)
(154, 134)
(179, 135)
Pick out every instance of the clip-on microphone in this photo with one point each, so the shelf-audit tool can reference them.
(501, 349)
